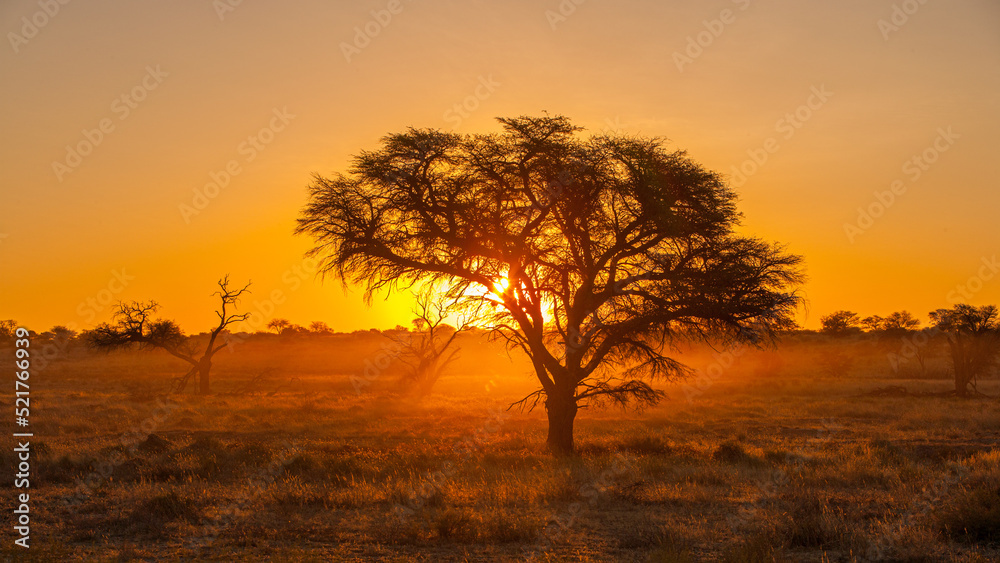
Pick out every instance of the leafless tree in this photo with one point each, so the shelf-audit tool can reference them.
(429, 349)
(134, 326)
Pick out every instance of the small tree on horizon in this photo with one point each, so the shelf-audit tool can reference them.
(873, 323)
(840, 323)
(134, 326)
(897, 323)
(319, 327)
(279, 325)
(592, 256)
(973, 341)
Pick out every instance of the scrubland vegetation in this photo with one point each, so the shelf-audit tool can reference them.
(308, 450)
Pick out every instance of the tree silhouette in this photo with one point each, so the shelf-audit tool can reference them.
(62, 333)
(590, 255)
(134, 326)
(973, 341)
(900, 322)
(873, 323)
(279, 325)
(8, 328)
(319, 327)
(840, 323)
(429, 348)
(895, 324)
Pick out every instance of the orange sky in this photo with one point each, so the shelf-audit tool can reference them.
(277, 91)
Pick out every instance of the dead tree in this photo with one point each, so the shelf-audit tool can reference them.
(133, 326)
(427, 351)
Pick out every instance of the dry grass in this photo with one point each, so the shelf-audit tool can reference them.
(760, 466)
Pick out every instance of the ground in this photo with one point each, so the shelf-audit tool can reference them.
(773, 460)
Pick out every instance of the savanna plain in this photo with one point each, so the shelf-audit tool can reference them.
(311, 449)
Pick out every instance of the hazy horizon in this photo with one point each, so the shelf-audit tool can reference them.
(274, 89)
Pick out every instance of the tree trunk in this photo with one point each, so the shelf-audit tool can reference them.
(962, 380)
(561, 408)
(203, 368)
(960, 362)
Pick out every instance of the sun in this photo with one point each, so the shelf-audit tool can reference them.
(493, 293)
(500, 286)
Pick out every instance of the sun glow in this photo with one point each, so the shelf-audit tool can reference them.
(492, 294)
(500, 287)
(495, 295)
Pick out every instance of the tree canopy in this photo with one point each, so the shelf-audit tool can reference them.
(845, 322)
(973, 341)
(591, 255)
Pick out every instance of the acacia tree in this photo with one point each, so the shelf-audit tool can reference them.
(973, 341)
(873, 323)
(279, 325)
(134, 326)
(590, 255)
(896, 324)
(840, 323)
(319, 327)
(900, 322)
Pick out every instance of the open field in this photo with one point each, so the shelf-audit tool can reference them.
(776, 459)
(511, 281)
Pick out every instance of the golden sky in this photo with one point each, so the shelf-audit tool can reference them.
(114, 113)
